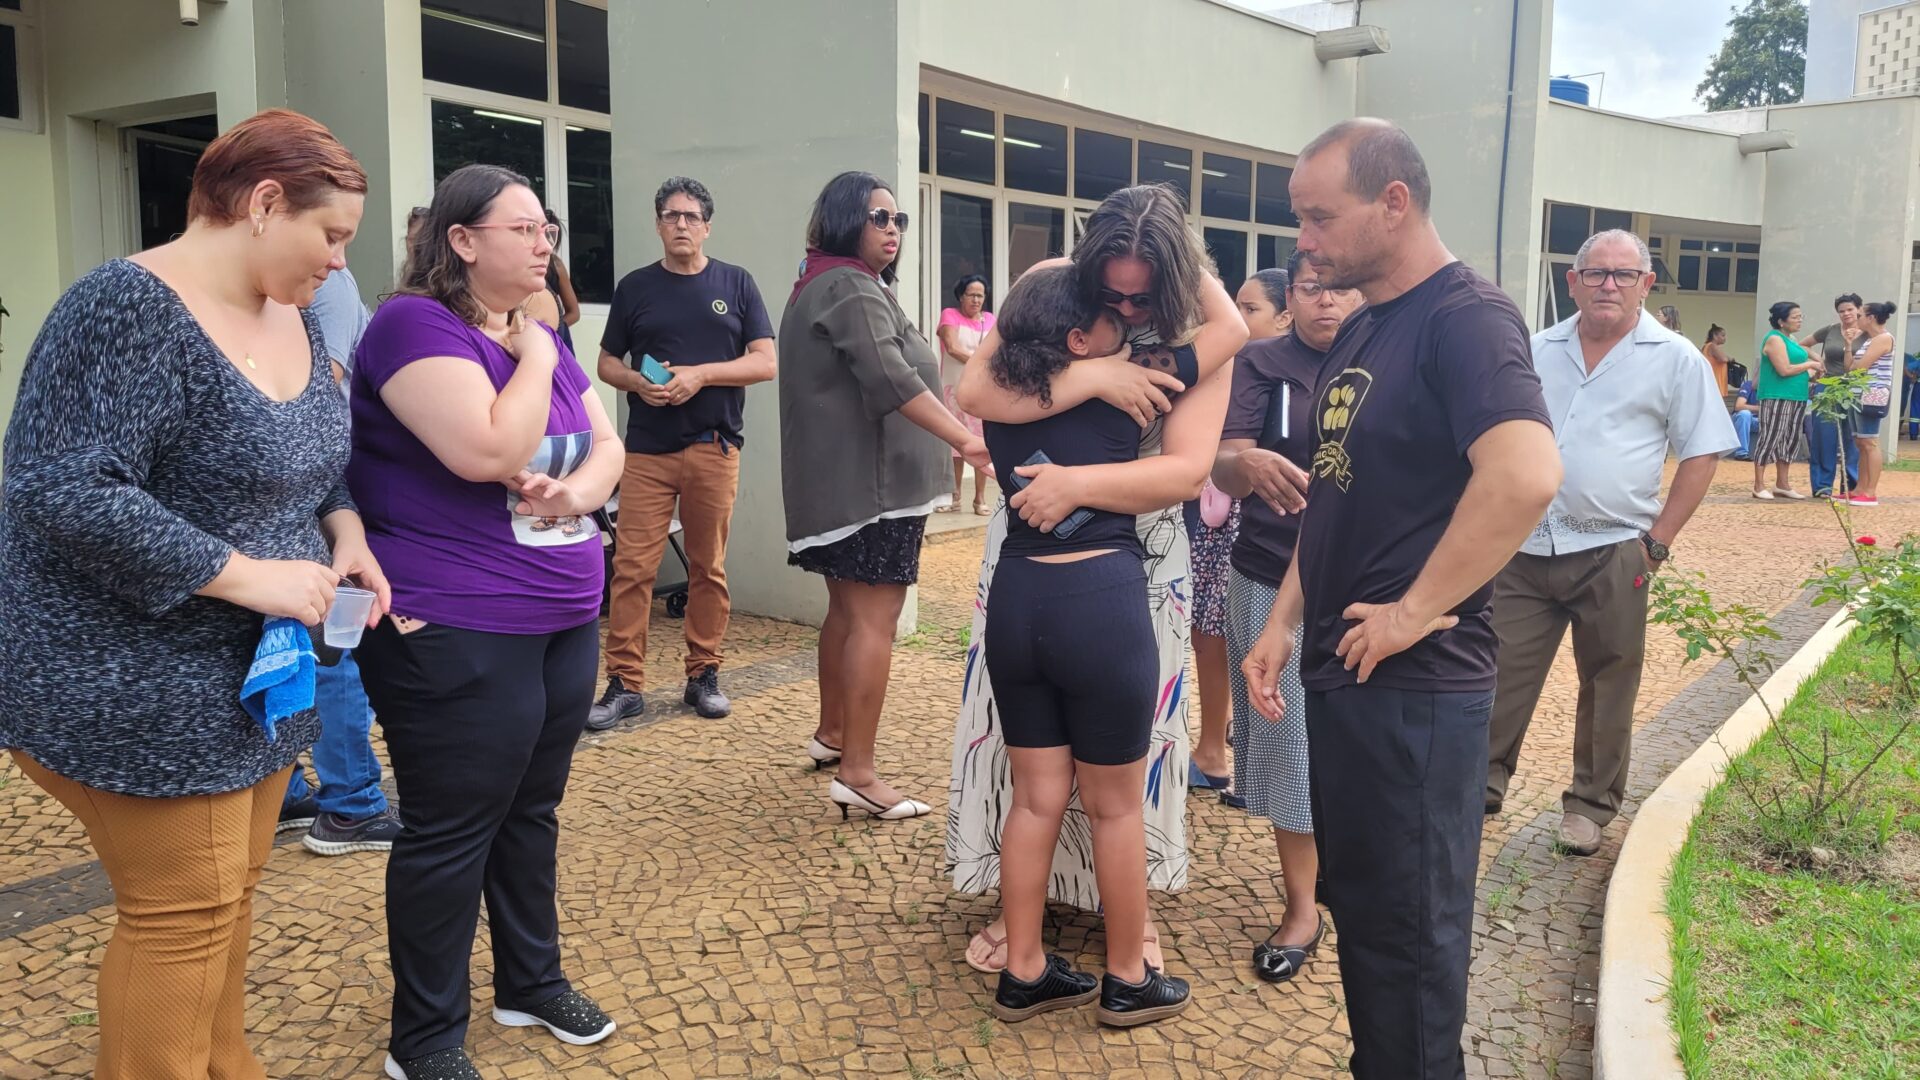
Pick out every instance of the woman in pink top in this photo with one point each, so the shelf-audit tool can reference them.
(960, 331)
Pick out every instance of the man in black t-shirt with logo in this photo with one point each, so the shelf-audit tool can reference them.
(1433, 460)
(702, 325)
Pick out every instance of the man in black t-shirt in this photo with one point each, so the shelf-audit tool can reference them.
(702, 321)
(1433, 460)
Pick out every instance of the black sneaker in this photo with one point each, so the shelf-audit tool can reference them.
(332, 834)
(297, 815)
(1158, 996)
(572, 1017)
(703, 693)
(449, 1064)
(615, 705)
(1058, 987)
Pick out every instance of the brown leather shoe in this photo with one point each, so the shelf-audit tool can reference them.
(1578, 835)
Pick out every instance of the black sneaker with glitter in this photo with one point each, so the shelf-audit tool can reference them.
(703, 693)
(449, 1064)
(572, 1017)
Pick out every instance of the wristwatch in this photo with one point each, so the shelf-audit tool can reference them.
(1656, 550)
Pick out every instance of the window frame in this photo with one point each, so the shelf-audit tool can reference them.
(1673, 246)
(28, 58)
(938, 85)
(555, 119)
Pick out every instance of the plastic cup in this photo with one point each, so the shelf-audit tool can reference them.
(347, 618)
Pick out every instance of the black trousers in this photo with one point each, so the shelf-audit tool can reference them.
(481, 729)
(1397, 782)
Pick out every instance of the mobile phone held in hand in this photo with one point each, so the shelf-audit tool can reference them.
(654, 371)
(1073, 521)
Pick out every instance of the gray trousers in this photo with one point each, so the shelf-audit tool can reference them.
(1602, 594)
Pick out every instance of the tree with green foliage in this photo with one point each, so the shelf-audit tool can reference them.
(1763, 60)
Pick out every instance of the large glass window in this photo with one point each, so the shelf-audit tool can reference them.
(1102, 164)
(1273, 205)
(9, 73)
(1226, 187)
(1273, 251)
(1611, 219)
(1033, 233)
(964, 141)
(1229, 250)
(966, 238)
(582, 56)
(590, 214)
(926, 144)
(1036, 155)
(1689, 279)
(497, 45)
(1567, 228)
(464, 135)
(1163, 164)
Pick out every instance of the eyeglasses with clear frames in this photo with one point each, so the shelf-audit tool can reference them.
(1312, 290)
(528, 230)
(688, 218)
(1622, 279)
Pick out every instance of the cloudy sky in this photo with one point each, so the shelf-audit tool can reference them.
(1653, 51)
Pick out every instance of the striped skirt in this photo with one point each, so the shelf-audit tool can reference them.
(1781, 425)
(1269, 759)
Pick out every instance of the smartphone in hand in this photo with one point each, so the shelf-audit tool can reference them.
(654, 371)
(1073, 521)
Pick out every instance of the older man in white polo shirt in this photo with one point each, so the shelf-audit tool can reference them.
(1623, 391)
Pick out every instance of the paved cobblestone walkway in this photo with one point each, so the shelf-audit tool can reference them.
(715, 904)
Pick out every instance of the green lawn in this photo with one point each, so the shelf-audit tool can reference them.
(1909, 459)
(1782, 972)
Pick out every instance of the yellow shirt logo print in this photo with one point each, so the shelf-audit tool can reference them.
(1339, 407)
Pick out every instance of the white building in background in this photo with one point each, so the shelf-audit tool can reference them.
(1857, 48)
(1003, 123)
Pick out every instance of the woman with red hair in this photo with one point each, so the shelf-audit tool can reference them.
(174, 477)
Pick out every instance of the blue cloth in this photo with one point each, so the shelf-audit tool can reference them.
(1743, 424)
(281, 681)
(343, 759)
(1821, 435)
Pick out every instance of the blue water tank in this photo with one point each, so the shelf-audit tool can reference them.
(1572, 90)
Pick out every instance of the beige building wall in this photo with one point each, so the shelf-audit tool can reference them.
(1446, 81)
(1606, 159)
(1829, 229)
(30, 273)
(1211, 70)
(765, 155)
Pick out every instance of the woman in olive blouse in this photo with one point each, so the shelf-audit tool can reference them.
(862, 429)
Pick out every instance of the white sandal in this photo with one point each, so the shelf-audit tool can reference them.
(1789, 493)
(1767, 495)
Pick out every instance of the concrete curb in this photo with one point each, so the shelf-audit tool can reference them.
(1632, 1038)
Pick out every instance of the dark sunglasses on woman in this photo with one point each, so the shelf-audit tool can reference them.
(1115, 299)
(881, 218)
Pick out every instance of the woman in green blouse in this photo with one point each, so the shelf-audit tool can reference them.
(1783, 402)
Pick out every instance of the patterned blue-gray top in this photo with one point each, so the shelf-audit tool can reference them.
(138, 459)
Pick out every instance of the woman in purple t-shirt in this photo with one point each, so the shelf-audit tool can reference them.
(480, 449)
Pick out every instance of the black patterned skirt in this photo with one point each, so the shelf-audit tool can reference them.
(884, 552)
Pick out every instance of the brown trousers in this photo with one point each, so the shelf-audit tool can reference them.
(173, 985)
(1602, 592)
(703, 478)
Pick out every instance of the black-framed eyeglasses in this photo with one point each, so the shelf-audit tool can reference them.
(1622, 279)
(689, 218)
(1112, 298)
(1312, 290)
(882, 218)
